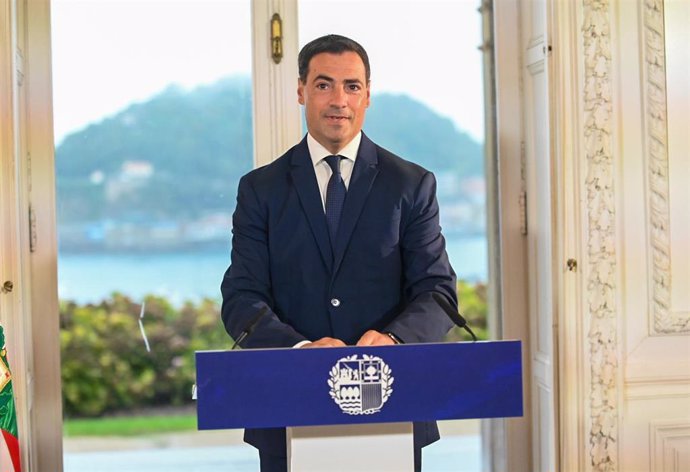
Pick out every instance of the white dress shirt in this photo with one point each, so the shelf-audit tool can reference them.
(323, 170)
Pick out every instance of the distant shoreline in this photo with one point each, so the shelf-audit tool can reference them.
(196, 273)
(189, 247)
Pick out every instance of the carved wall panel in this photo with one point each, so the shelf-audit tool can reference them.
(664, 318)
(631, 204)
(670, 446)
(601, 252)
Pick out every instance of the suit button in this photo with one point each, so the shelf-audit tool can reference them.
(335, 302)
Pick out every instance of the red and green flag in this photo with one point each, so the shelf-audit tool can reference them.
(9, 444)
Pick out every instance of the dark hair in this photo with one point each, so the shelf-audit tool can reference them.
(331, 43)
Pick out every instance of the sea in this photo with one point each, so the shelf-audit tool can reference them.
(192, 276)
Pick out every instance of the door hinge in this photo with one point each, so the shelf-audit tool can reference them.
(523, 212)
(33, 239)
(522, 200)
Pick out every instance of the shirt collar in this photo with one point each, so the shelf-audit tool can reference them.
(317, 152)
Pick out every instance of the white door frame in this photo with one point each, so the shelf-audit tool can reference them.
(514, 434)
(30, 311)
(277, 114)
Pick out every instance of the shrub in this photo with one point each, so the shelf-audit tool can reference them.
(106, 367)
(105, 364)
(473, 307)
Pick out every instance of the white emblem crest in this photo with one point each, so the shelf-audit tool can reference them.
(360, 386)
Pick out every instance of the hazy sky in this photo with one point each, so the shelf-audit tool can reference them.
(110, 53)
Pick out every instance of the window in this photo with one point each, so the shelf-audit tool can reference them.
(130, 178)
(153, 122)
(428, 107)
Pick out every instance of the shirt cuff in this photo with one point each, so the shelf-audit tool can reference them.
(301, 343)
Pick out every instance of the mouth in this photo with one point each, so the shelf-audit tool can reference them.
(337, 118)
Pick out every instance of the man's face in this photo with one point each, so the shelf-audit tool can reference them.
(335, 96)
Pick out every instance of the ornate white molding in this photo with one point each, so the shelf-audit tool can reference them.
(601, 254)
(667, 441)
(656, 156)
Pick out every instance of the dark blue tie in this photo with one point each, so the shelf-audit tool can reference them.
(335, 197)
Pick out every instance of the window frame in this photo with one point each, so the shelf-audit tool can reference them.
(27, 181)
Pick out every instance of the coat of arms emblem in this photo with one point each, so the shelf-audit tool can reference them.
(360, 385)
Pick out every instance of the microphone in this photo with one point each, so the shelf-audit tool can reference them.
(250, 326)
(452, 313)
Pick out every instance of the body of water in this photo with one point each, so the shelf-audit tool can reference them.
(89, 278)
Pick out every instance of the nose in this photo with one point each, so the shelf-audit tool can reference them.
(339, 97)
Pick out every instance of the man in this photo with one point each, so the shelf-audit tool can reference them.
(338, 238)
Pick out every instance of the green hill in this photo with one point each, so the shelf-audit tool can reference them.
(414, 131)
(180, 154)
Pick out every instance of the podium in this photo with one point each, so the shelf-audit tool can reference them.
(346, 406)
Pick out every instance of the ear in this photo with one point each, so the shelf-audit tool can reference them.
(300, 92)
(368, 94)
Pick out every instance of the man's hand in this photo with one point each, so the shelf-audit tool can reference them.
(374, 338)
(325, 342)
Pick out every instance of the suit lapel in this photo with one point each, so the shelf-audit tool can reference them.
(304, 180)
(363, 175)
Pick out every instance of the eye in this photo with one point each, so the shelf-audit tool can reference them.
(322, 85)
(354, 87)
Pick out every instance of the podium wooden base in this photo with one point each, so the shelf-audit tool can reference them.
(363, 447)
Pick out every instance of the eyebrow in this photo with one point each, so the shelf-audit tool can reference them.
(331, 79)
(323, 77)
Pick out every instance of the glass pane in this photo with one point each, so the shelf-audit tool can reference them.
(153, 131)
(427, 106)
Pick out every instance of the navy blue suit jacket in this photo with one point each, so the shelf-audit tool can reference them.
(387, 260)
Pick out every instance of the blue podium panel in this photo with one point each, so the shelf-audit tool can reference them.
(326, 386)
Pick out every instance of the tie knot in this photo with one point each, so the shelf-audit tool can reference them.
(334, 162)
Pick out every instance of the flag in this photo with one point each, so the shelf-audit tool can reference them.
(9, 444)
